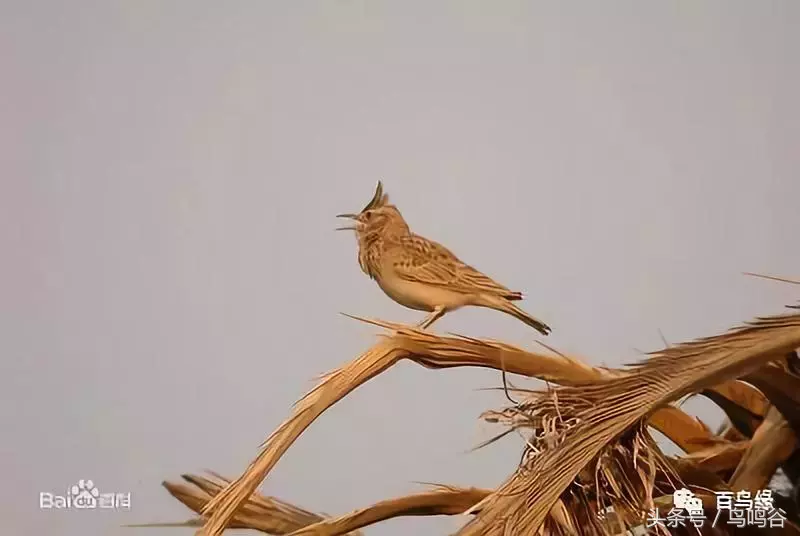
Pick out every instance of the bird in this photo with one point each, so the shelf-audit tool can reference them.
(421, 274)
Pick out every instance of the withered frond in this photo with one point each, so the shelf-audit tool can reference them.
(443, 500)
(577, 430)
(773, 443)
(405, 342)
(264, 514)
(611, 494)
(688, 432)
(437, 351)
(781, 387)
(333, 387)
(720, 457)
(744, 405)
(577, 423)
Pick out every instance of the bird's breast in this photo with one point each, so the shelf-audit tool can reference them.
(419, 295)
(407, 293)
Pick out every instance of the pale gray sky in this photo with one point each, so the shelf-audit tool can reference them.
(170, 277)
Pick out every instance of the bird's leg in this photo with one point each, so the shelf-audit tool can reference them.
(437, 313)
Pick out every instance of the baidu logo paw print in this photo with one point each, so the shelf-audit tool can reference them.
(84, 494)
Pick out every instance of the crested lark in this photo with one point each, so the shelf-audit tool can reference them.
(420, 273)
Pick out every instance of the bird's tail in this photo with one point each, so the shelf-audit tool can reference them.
(501, 304)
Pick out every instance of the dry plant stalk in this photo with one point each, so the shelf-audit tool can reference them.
(774, 278)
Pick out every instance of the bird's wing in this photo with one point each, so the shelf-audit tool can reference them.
(425, 261)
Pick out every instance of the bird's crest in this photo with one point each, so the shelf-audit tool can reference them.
(378, 200)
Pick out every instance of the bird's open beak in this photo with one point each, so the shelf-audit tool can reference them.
(349, 227)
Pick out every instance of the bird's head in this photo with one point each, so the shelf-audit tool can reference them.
(377, 219)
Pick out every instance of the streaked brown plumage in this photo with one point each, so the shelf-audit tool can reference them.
(420, 273)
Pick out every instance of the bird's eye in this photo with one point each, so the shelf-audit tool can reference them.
(367, 215)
